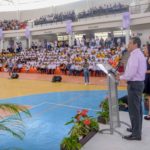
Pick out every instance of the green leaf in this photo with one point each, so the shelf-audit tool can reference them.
(13, 124)
(70, 122)
(71, 143)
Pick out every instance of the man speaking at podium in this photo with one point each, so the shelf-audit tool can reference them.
(135, 75)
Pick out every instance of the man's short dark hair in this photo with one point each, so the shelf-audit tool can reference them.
(136, 40)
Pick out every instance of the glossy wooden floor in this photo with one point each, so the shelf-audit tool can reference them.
(29, 84)
(13, 88)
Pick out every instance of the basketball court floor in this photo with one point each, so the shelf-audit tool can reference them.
(52, 105)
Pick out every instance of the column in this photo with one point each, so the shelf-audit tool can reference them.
(29, 41)
(1, 45)
(127, 36)
(71, 39)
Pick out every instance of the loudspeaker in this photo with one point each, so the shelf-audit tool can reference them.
(14, 76)
(56, 79)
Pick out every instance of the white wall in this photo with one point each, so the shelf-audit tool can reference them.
(143, 31)
(24, 42)
(22, 39)
(6, 43)
(144, 34)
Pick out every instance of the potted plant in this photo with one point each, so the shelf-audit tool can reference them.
(123, 103)
(83, 129)
(103, 115)
(70, 143)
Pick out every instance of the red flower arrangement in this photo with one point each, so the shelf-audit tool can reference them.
(83, 127)
(82, 113)
(83, 124)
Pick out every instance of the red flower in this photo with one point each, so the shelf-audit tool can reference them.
(84, 112)
(87, 122)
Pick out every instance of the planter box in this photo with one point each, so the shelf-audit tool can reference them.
(101, 120)
(84, 140)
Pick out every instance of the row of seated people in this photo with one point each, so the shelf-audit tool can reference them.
(56, 18)
(63, 60)
(12, 25)
(104, 10)
(59, 70)
(71, 15)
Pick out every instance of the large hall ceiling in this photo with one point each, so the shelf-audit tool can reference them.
(4, 4)
(13, 5)
(22, 2)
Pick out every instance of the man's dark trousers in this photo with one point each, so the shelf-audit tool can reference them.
(135, 90)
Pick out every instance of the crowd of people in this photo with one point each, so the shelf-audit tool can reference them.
(63, 16)
(61, 60)
(12, 25)
(104, 10)
(95, 11)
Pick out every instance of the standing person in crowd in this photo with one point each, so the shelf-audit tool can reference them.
(10, 67)
(86, 72)
(135, 76)
(147, 78)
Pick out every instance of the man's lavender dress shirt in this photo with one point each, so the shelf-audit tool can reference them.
(136, 67)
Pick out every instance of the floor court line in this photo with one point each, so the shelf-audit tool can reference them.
(59, 105)
(38, 105)
(56, 106)
(74, 107)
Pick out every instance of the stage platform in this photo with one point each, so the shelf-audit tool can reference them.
(115, 141)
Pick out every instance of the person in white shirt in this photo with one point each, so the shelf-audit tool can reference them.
(97, 42)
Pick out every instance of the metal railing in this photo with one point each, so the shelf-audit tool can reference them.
(138, 9)
(83, 15)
